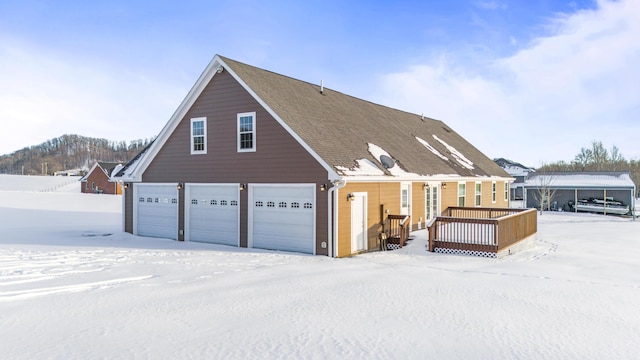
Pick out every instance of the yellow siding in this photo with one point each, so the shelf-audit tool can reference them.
(470, 197)
(449, 194)
(500, 199)
(417, 205)
(486, 195)
(385, 195)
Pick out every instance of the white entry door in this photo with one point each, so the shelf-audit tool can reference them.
(359, 222)
(282, 217)
(156, 210)
(213, 213)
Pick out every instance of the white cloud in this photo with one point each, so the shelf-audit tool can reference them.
(45, 94)
(546, 101)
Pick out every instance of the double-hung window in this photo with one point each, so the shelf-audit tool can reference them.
(199, 135)
(247, 132)
(462, 193)
(506, 191)
(493, 192)
(478, 194)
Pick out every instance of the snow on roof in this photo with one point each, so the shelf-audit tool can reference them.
(432, 149)
(460, 158)
(115, 170)
(517, 171)
(377, 152)
(573, 180)
(364, 167)
(127, 172)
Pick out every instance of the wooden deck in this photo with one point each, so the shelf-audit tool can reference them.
(482, 230)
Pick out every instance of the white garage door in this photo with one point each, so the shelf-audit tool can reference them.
(213, 213)
(156, 210)
(282, 217)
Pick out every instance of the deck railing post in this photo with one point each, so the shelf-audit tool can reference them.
(431, 235)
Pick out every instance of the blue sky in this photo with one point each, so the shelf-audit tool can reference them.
(532, 81)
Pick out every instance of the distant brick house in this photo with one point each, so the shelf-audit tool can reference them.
(98, 179)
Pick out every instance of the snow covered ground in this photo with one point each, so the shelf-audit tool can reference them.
(72, 285)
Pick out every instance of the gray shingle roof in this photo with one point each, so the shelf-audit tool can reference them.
(108, 166)
(339, 127)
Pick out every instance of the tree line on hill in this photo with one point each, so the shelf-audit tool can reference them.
(597, 158)
(69, 152)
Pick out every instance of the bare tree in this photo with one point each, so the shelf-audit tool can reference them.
(600, 156)
(583, 159)
(543, 191)
(616, 160)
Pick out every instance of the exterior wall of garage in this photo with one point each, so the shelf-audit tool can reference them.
(278, 158)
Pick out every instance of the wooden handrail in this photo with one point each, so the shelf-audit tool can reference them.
(398, 230)
(497, 230)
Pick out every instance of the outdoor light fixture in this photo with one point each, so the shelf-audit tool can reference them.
(323, 187)
(243, 186)
(444, 185)
(425, 186)
(179, 186)
(126, 185)
(351, 196)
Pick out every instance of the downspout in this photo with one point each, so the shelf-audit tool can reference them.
(124, 207)
(332, 214)
(633, 203)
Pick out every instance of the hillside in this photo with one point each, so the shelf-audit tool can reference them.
(68, 152)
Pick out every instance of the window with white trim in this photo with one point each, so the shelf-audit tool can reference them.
(462, 193)
(434, 199)
(493, 191)
(427, 200)
(506, 191)
(478, 194)
(247, 132)
(404, 198)
(199, 135)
